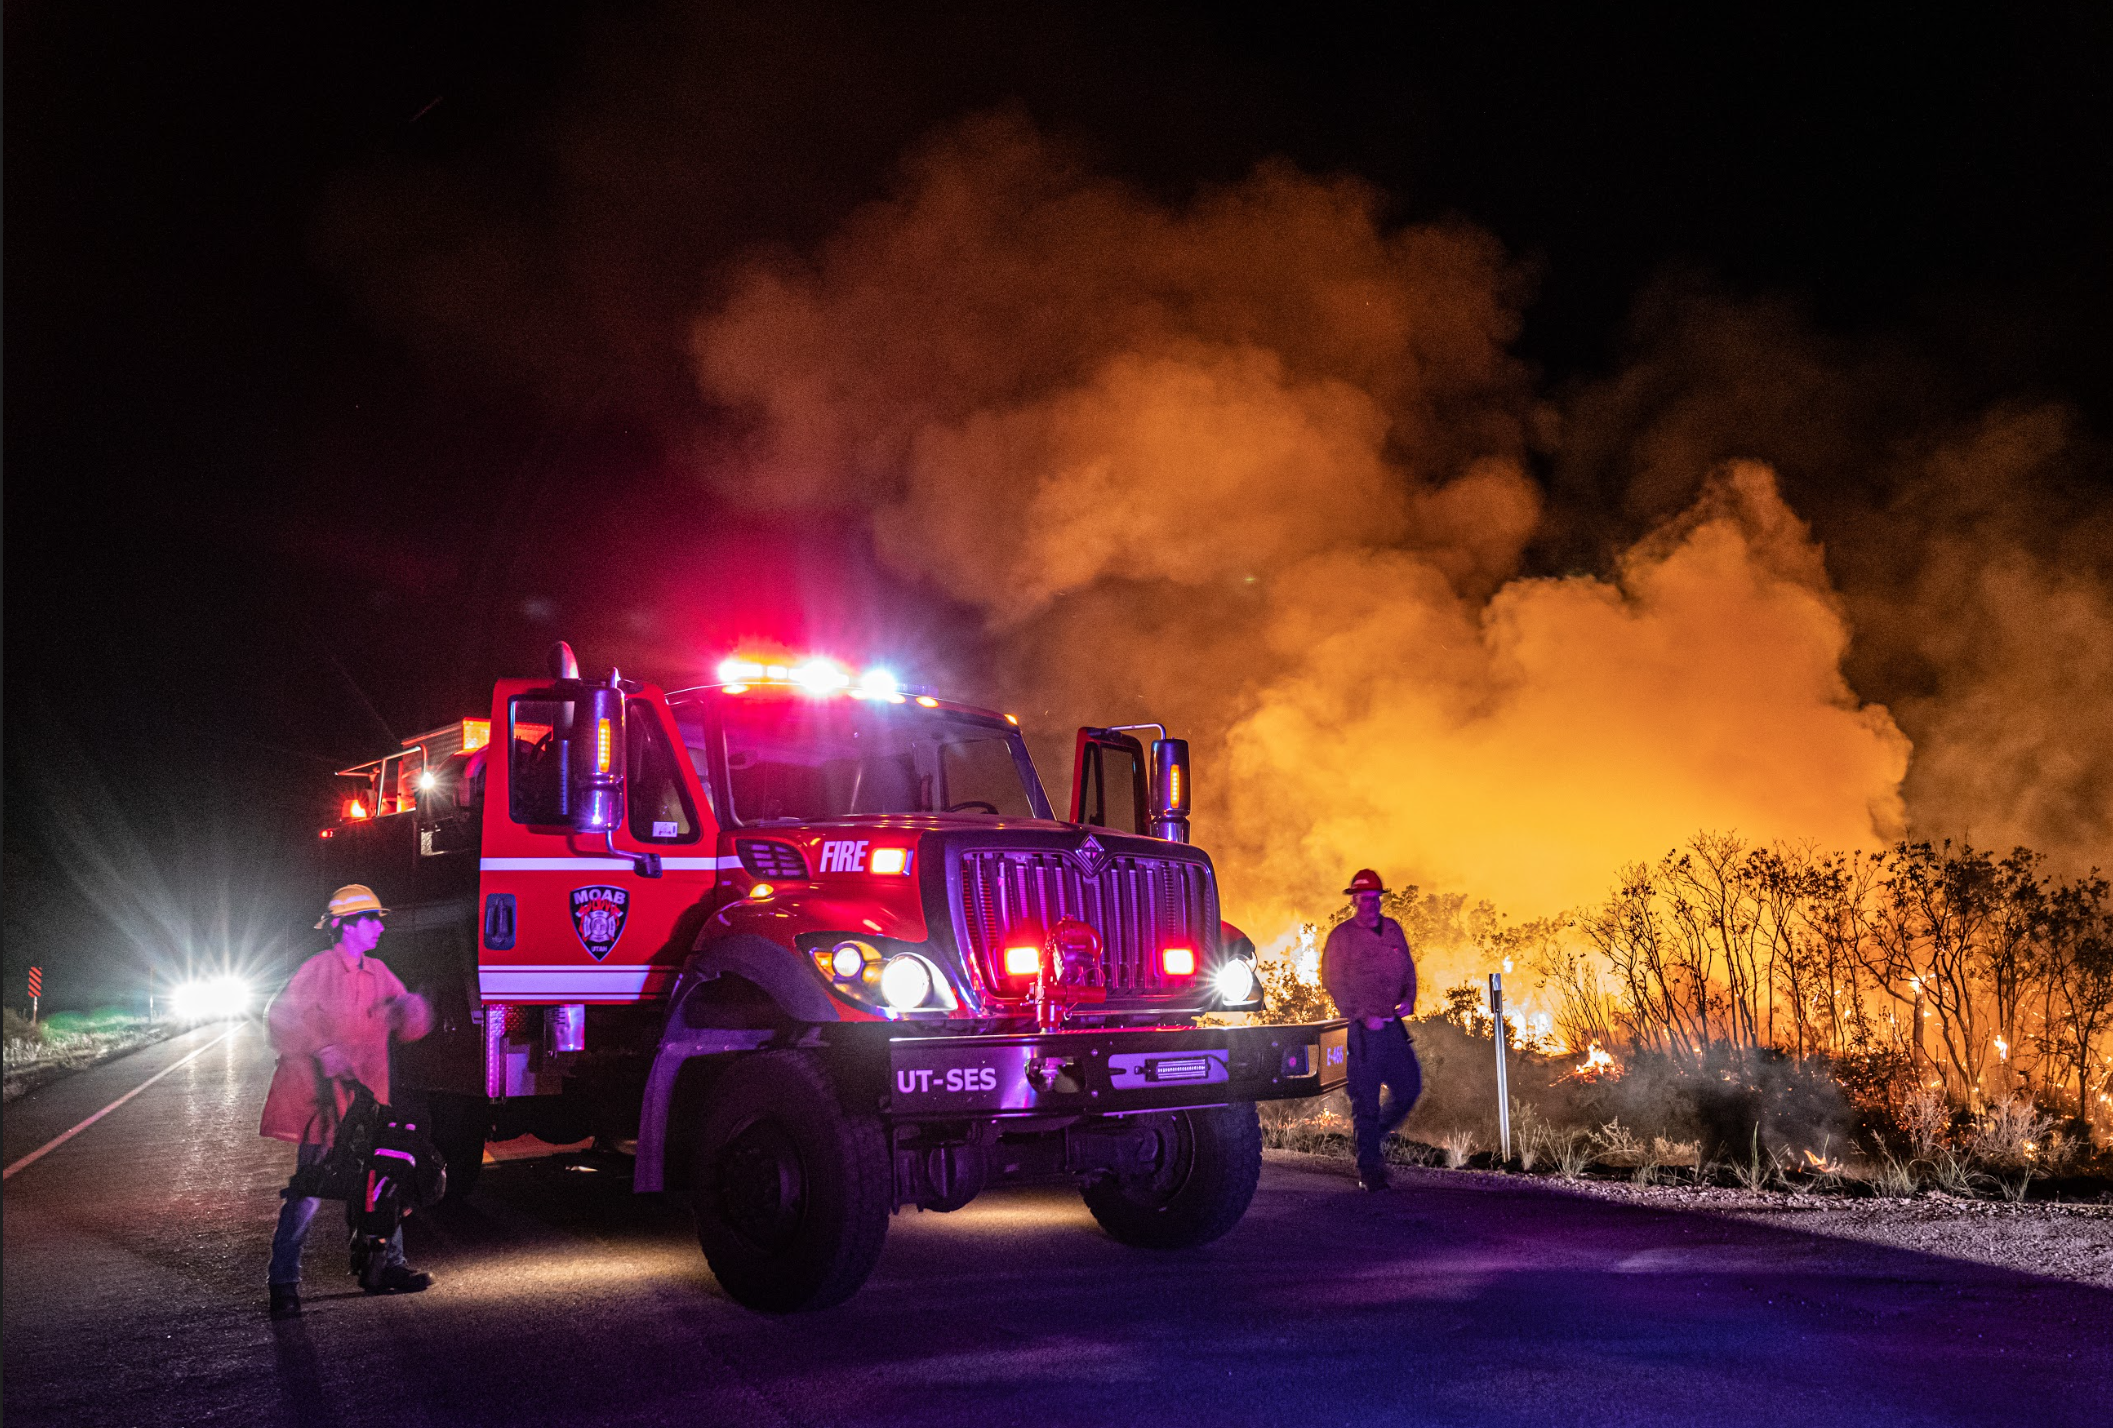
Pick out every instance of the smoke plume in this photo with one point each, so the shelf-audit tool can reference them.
(1255, 465)
(1974, 556)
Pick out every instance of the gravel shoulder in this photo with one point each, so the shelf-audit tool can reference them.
(31, 1068)
(2073, 1242)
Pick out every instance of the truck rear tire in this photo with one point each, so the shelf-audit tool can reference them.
(458, 1126)
(1209, 1165)
(791, 1192)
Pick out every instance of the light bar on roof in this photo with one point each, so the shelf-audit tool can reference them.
(814, 674)
(821, 676)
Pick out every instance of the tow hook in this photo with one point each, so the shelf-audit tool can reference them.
(1048, 1073)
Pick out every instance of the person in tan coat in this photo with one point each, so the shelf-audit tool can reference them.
(331, 1027)
(1369, 971)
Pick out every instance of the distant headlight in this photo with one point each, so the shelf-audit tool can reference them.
(1236, 982)
(905, 982)
(211, 999)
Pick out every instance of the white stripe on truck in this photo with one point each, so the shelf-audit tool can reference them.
(497, 983)
(567, 865)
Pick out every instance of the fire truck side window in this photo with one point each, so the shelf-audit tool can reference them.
(537, 792)
(659, 808)
(690, 728)
(1111, 776)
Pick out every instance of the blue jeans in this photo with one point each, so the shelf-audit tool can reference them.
(294, 1218)
(1380, 1058)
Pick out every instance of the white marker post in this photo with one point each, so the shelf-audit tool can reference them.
(1496, 1011)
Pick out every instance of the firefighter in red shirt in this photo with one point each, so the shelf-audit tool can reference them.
(1369, 971)
(331, 1027)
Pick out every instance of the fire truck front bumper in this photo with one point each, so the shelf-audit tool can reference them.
(1111, 1072)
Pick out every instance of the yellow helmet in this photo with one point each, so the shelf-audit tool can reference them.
(349, 900)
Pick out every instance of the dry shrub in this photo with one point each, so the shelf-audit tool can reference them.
(1399, 1150)
(1616, 1144)
(1320, 1126)
(1925, 1117)
(1458, 1144)
(1571, 1150)
(1893, 1179)
(1758, 1169)
(1949, 1172)
(1676, 1152)
(2009, 1135)
(1529, 1133)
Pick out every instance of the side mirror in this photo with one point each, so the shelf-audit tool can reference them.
(1170, 789)
(595, 758)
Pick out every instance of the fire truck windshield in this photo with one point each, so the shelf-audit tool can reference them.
(795, 759)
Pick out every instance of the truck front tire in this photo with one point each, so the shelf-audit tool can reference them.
(791, 1192)
(1209, 1163)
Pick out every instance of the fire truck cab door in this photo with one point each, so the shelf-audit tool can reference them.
(1108, 782)
(561, 920)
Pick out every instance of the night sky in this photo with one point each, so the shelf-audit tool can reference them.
(272, 504)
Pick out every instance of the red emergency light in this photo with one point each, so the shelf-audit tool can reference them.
(810, 674)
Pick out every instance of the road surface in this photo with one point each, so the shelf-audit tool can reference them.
(134, 1294)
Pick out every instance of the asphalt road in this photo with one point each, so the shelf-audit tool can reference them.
(134, 1294)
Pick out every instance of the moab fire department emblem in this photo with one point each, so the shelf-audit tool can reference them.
(598, 915)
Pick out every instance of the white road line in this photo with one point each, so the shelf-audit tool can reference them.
(53, 1144)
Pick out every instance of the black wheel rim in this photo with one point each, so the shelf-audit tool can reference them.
(1176, 1162)
(762, 1190)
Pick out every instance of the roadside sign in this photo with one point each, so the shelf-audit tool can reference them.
(36, 990)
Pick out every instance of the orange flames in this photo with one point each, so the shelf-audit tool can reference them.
(1598, 1065)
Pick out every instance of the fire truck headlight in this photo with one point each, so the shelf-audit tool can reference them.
(848, 959)
(1236, 982)
(905, 982)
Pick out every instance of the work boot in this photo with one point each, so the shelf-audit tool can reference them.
(1372, 1178)
(397, 1279)
(286, 1301)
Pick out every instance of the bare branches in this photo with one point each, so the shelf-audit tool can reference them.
(1981, 976)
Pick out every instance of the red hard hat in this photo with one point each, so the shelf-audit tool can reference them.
(1365, 881)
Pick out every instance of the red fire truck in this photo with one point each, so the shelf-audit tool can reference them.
(821, 948)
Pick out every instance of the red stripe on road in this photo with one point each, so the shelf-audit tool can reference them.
(56, 1141)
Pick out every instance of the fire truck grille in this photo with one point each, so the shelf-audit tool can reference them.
(1138, 906)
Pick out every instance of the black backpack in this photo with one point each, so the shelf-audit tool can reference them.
(377, 1155)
